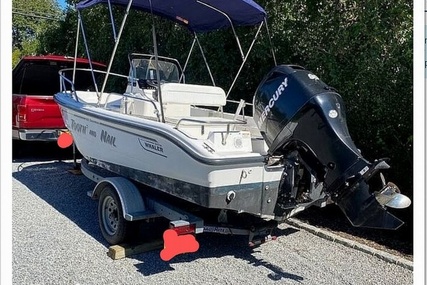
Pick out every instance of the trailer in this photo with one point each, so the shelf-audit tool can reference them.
(124, 204)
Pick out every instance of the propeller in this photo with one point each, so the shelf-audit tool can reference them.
(390, 196)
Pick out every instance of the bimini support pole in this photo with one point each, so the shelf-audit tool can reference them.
(117, 40)
(156, 58)
(271, 43)
(204, 58)
(188, 58)
(112, 20)
(243, 55)
(244, 59)
(231, 25)
(87, 52)
(75, 49)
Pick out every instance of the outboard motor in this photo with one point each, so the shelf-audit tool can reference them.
(303, 122)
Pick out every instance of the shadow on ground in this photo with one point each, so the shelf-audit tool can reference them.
(54, 182)
(234, 246)
(49, 174)
(41, 151)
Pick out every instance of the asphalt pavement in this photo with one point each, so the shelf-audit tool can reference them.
(56, 240)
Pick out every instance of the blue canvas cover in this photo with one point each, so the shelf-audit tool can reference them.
(195, 15)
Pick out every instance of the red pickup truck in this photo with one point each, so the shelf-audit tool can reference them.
(35, 79)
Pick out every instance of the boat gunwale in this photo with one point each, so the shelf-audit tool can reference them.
(159, 130)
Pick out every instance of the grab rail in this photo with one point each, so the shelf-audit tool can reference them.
(61, 85)
(64, 79)
(211, 122)
(227, 122)
(156, 110)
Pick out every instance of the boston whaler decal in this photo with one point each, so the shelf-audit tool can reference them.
(273, 100)
(107, 138)
(151, 145)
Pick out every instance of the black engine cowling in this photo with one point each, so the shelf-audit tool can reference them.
(295, 111)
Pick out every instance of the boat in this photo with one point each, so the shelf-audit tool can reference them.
(175, 138)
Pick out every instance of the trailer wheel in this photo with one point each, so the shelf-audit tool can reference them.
(114, 227)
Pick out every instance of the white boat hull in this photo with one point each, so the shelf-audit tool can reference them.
(160, 156)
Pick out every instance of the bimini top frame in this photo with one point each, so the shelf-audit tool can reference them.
(197, 16)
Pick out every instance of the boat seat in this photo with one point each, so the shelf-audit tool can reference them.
(177, 98)
(108, 100)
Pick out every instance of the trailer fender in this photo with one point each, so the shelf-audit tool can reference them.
(131, 200)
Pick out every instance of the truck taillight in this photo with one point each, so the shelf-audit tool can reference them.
(21, 115)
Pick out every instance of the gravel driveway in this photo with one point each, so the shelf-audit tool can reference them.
(56, 240)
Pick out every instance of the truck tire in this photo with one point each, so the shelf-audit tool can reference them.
(115, 229)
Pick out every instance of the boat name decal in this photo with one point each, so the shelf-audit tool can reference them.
(276, 95)
(107, 138)
(151, 145)
(92, 133)
(78, 127)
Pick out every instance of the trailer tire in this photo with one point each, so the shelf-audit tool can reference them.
(114, 228)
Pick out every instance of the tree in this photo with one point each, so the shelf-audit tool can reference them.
(30, 19)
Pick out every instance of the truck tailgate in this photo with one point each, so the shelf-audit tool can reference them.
(36, 111)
